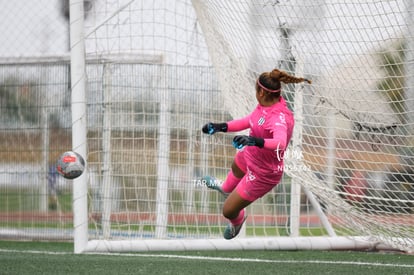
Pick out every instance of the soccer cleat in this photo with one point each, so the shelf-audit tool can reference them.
(232, 231)
(213, 183)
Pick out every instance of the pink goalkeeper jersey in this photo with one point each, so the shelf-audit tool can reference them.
(275, 125)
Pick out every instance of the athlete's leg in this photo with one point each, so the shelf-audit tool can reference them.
(237, 172)
(233, 209)
(233, 178)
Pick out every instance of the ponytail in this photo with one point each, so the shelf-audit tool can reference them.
(284, 77)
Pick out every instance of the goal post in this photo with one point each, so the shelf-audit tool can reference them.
(349, 181)
(79, 130)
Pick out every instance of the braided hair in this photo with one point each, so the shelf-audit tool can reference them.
(270, 82)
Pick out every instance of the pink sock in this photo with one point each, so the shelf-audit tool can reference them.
(239, 219)
(230, 183)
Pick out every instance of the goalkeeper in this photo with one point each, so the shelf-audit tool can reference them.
(258, 164)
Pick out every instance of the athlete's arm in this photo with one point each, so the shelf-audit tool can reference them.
(238, 124)
(279, 140)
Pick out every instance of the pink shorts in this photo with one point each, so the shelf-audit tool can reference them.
(254, 184)
(240, 160)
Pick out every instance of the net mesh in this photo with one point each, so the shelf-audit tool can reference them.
(354, 122)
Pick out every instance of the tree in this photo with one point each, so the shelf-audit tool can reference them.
(20, 102)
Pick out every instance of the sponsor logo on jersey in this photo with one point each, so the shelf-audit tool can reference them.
(261, 121)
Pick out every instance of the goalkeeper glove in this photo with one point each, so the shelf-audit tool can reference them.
(241, 141)
(211, 128)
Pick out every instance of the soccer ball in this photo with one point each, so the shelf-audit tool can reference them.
(70, 165)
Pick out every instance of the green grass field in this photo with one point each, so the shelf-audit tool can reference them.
(58, 258)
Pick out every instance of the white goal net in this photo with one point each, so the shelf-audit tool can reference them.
(147, 75)
(351, 150)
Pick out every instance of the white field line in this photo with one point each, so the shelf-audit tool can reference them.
(252, 260)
